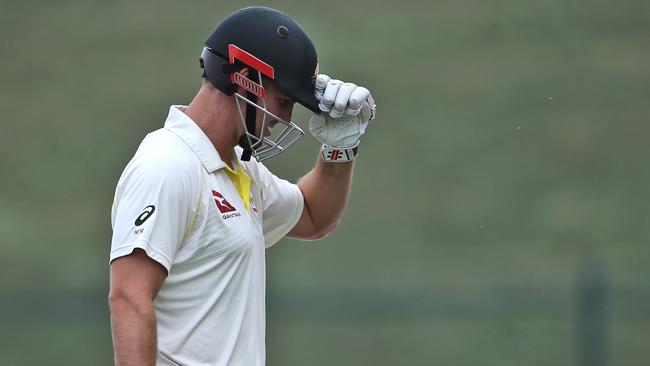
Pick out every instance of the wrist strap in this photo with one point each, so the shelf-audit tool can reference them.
(339, 154)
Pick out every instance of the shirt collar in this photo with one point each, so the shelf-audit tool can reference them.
(184, 127)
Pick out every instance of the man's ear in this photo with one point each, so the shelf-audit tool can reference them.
(245, 72)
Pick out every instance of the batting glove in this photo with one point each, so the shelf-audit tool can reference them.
(347, 111)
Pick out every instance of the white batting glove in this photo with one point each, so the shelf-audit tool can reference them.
(347, 110)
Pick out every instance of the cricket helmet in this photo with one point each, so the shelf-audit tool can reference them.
(272, 46)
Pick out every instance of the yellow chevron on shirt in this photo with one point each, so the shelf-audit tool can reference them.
(242, 183)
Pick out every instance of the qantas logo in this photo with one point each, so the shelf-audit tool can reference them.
(223, 205)
(226, 208)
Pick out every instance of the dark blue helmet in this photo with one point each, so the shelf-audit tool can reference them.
(268, 41)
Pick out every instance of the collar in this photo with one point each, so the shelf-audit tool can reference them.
(184, 127)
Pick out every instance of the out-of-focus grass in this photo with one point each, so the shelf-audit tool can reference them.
(510, 148)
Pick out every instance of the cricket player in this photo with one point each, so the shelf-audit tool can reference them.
(195, 208)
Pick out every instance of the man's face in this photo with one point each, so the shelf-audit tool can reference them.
(277, 103)
(269, 139)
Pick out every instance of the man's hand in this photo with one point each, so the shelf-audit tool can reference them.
(347, 110)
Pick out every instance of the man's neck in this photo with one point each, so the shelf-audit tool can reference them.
(215, 113)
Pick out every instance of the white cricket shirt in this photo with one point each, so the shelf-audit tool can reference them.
(175, 201)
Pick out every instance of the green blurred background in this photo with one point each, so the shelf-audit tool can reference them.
(499, 214)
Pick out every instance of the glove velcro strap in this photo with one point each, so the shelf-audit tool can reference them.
(339, 154)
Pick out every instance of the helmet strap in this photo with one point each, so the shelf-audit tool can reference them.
(251, 113)
(244, 141)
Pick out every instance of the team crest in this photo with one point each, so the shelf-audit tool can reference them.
(252, 201)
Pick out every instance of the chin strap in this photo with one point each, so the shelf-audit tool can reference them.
(251, 113)
(244, 142)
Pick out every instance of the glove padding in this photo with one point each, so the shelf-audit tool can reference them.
(347, 110)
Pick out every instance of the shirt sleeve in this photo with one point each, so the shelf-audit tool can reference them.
(282, 205)
(153, 207)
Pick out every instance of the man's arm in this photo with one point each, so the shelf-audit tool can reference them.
(135, 282)
(347, 111)
(326, 189)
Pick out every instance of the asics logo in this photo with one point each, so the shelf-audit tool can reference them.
(148, 211)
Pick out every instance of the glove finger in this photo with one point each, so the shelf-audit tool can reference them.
(329, 95)
(373, 107)
(359, 95)
(342, 97)
(365, 116)
(352, 112)
(319, 86)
